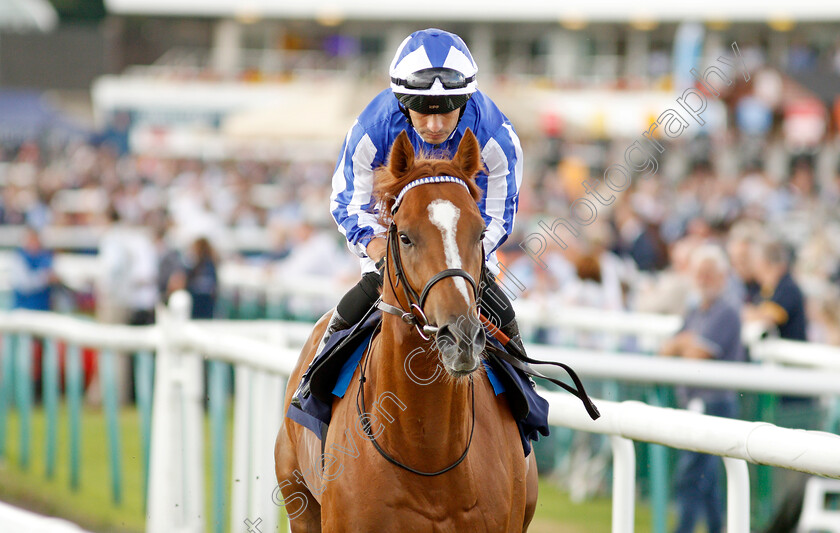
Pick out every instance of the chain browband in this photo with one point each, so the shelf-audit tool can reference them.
(424, 181)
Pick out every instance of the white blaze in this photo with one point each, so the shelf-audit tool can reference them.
(444, 215)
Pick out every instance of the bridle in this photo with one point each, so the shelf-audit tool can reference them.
(415, 315)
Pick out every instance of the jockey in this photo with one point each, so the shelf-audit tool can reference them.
(434, 98)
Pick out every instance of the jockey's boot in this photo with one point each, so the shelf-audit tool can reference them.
(353, 305)
(511, 330)
(337, 323)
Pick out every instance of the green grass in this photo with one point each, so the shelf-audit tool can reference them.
(556, 513)
(92, 507)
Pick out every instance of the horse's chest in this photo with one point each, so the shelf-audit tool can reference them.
(446, 506)
(472, 498)
(486, 492)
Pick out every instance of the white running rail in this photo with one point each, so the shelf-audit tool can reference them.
(737, 441)
(264, 355)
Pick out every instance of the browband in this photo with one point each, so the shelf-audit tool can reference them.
(423, 181)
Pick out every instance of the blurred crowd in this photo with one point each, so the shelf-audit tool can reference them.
(734, 230)
(79, 184)
(635, 256)
(160, 220)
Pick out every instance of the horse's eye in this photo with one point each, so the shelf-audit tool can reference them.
(404, 239)
(483, 234)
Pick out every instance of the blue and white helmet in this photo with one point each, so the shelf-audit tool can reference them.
(433, 72)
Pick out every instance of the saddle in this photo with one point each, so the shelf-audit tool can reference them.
(329, 375)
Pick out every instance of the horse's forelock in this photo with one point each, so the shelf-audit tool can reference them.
(387, 186)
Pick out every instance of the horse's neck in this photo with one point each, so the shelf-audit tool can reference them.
(437, 412)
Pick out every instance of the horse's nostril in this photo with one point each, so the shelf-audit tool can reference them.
(444, 332)
(445, 340)
(479, 339)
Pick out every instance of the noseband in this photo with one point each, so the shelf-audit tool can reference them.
(415, 314)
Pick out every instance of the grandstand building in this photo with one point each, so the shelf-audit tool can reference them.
(205, 78)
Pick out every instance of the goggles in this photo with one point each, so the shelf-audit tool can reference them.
(425, 78)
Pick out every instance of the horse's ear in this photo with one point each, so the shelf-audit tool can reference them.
(468, 156)
(401, 159)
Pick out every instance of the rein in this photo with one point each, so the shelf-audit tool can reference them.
(520, 359)
(360, 410)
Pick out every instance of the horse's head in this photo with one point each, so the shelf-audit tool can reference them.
(435, 245)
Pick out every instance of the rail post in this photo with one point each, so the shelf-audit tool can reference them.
(737, 495)
(624, 485)
(176, 487)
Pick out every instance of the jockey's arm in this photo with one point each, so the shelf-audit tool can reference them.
(503, 160)
(376, 248)
(351, 197)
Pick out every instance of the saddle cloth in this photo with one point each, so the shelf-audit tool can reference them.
(329, 376)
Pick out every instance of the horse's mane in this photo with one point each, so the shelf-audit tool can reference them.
(387, 186)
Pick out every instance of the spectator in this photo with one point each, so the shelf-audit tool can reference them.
(32, 279)
(743, 285)
(115, 265)
(711, 330)
(142, 280)
(200, 279)
(38, 213)
(780, 303)
(32, 276)
(640, 240)
(114, 295)
(596, 282)
(169, 262)
(824, 315)
(668, 292)
(313, 253)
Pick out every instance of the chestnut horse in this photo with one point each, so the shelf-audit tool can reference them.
(420, 442)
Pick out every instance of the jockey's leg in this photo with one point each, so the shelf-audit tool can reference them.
(353, 305)
(350, 310)
(497, 307)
